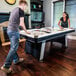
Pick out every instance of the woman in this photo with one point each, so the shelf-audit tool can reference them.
(64, 21)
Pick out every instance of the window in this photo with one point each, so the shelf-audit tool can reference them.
(71, 10)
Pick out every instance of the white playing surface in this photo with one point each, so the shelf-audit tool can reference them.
(44, 32)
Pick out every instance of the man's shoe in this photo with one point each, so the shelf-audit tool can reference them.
(20, 60)
(6, 70)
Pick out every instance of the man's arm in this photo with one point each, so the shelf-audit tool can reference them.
(22, 24)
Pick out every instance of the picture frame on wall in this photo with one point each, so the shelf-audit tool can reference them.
(11, 2)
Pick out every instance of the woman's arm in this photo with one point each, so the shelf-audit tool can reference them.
(69, 22)
(59, 24)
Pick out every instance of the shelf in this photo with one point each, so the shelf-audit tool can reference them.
(32, 9)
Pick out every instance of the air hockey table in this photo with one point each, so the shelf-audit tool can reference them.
(36, 40)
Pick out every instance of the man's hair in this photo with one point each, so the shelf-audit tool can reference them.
(22, 1)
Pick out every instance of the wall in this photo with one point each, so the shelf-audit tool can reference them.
(4, 7)
(47, 8)
(47, 11)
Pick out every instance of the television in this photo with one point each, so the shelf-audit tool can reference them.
(36, 16)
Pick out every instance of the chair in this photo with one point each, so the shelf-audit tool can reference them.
(5, 41)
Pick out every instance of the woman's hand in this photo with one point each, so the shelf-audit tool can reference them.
(71, 28)
(61, 28)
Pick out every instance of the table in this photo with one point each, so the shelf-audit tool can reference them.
(37, 39)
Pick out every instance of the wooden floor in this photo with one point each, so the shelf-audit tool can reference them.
(59, 62)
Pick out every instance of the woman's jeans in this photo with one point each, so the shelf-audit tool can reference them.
(12, 55)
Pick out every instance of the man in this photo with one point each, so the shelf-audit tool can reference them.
(16, 19)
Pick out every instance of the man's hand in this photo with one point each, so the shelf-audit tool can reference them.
(27, 32)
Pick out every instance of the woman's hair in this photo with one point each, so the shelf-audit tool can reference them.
(22, 1)
(67, 16)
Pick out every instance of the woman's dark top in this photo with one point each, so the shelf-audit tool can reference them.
(64, 23)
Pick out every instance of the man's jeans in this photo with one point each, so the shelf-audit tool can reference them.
(12, 55)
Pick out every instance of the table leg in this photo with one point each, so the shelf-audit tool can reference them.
(66, 41)
(42, 51)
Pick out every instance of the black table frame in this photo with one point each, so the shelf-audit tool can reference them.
(36, 46)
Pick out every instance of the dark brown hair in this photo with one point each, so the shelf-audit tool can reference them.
(67, 16)
(22, 1)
